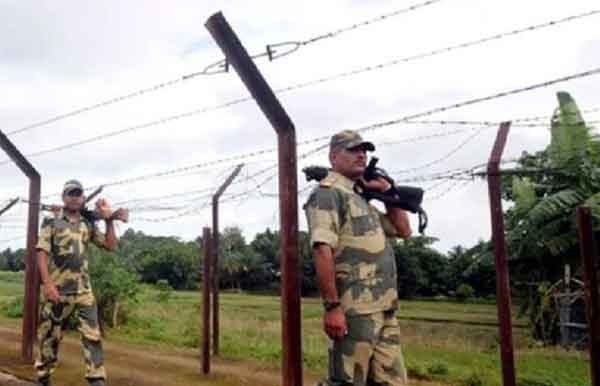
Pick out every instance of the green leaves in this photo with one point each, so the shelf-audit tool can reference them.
(523, 193)
(561, 204)
(570, 135)
(541, 227)
(542, 220)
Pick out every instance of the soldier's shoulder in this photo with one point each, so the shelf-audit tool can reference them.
(323, 197)
(48, 221)
(328, 181)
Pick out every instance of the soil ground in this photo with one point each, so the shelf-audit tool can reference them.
(131, 365)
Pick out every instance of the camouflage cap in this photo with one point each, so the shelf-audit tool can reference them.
(72, 185)
(349, 139)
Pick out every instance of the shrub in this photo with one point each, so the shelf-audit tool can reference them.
(437, 368)
(164, 291)
(14, 308)
(531, 382)
(464, 292)
(114, 285)
(418, 372)
(473, 380)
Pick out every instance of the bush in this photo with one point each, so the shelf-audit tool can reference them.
(114, 285)
(14, 308)
(437, 368)
(418, 372)
(531, 382)
(164, 291)
(473, 380)
(464, 292)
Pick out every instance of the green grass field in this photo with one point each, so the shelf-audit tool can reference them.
(448, 342)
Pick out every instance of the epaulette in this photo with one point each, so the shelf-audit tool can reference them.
(328, 181)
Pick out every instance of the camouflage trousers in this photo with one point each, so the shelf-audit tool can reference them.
(54, 319)
(369, 354)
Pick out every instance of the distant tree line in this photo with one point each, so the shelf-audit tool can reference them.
(255, 266)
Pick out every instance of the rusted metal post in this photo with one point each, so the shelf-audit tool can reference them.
(587, 246)
(502, 281)
(12, 203)
(238, 58)
(206, 245)
(564, 306)
(32, 279)
(215, 256)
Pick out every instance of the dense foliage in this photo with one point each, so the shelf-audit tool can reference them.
(541, 227)
(255, 266)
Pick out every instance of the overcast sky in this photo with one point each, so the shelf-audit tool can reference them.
(57, 56)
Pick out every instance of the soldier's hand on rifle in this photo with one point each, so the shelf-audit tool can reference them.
(103, 209)
(335, 323)
(51, 292)
(379, 184)
(121, 214)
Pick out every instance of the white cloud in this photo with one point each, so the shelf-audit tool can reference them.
(55, 57)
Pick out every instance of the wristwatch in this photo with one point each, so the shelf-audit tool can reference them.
(331, 304)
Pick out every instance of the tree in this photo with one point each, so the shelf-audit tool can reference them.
(12, 260)
(542, 221)
(307, 266)
(474, 267)
(541, 227)
(168, 258)
(266, 244)
(241, 265)
(231, 266)
(422, 270)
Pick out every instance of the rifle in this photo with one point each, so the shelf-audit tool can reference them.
(408, 198)
(92, 216)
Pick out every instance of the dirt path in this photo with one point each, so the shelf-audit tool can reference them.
(10, 380)
(131, 365)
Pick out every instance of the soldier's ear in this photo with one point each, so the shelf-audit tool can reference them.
(332, 157)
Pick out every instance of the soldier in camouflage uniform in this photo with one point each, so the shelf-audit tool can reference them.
(356, 270)
(65, 238)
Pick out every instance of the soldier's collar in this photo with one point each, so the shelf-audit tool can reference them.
(62, 214)
(342, 180)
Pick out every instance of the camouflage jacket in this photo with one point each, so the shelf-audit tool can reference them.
(67, 246)
(357, 233)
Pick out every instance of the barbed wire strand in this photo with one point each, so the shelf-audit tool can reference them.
(457, 177)
(446, 156)
(378, 125)
(549, 117)
(213, 69)
(380, 18)
(453, 187)
(435, 52)
(175, 117)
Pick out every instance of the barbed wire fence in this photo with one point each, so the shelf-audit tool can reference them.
(194, 204)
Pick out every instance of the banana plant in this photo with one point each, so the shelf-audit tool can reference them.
(543, 217)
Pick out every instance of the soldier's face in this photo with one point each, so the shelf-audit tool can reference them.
(73, 200)
(349, 162)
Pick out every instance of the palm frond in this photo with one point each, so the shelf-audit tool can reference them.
(524, 194)
(569, 133)
(558, 204)
(561, 243)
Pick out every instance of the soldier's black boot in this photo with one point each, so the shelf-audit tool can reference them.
(44, 381)
(96, 382)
